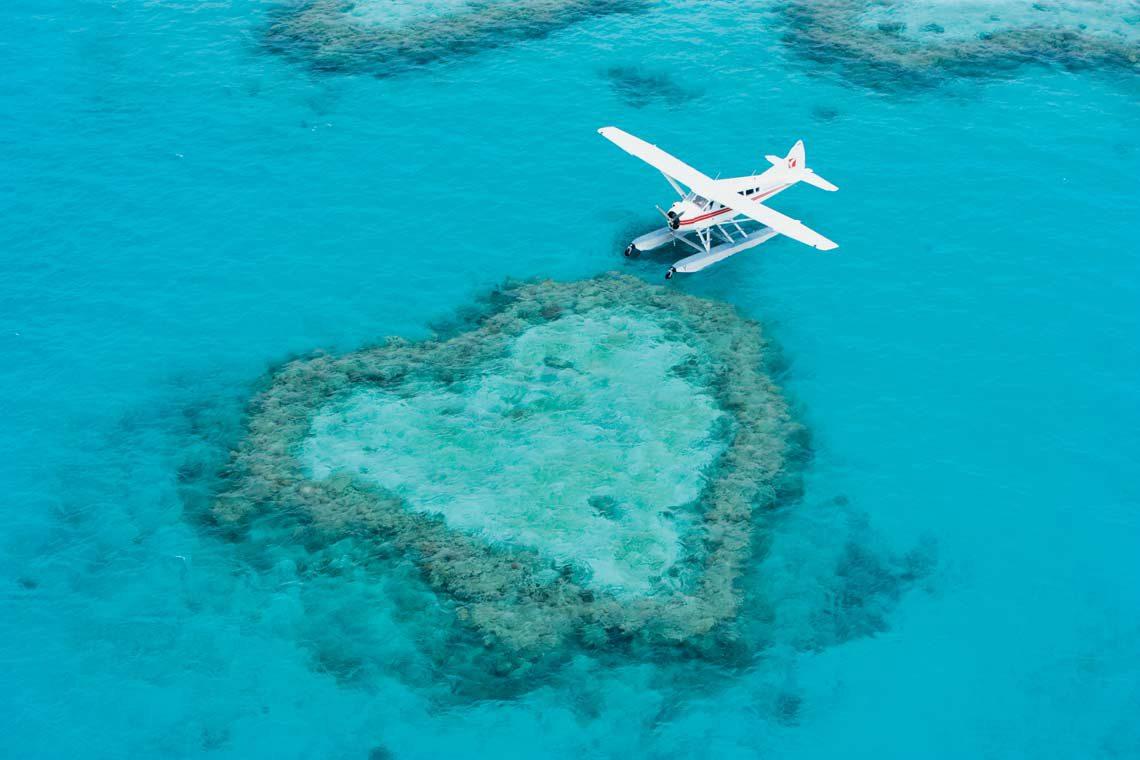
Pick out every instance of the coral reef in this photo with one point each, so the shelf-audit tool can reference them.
(384, 38)
(639, 87)
(873, 44)
(585, 463)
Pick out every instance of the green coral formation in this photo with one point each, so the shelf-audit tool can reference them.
(385, 38)
(870, 45)
(584, 463)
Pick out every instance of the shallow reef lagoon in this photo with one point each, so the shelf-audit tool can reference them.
(240, 521)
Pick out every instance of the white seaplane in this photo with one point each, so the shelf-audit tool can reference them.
(721, 207)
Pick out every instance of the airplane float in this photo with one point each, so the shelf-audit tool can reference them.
(725, 208)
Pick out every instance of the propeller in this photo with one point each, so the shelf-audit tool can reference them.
(673, 221)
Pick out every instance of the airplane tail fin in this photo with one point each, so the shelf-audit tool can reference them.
(796, 163)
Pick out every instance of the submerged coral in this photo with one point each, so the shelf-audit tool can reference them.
(385, 38)
(640, 87)
(891, 44)
(585, 464)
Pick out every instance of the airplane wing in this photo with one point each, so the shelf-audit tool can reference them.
(655, 157)
(781, 223)
(707, 187)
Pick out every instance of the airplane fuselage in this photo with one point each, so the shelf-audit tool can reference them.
(696, 213)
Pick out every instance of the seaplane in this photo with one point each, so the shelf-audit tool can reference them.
(718, 218)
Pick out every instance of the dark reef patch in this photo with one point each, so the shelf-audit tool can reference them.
(825, 113)
(639, 87)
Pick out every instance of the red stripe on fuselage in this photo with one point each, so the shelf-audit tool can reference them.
(718, 212)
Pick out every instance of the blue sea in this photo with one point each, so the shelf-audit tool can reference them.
(191, 193)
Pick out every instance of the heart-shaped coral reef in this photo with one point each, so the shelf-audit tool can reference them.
(586, 462)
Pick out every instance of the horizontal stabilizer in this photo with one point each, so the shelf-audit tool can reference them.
(815, 180)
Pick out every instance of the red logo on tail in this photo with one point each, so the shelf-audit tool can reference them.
(791, 163)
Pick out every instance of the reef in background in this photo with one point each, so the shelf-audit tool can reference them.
(388, 38)
(892, 45)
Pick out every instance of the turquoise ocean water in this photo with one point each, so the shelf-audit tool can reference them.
(183, 207)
